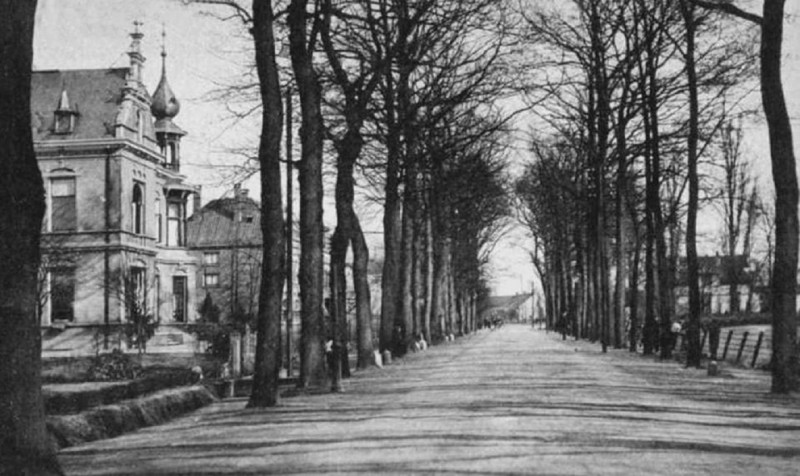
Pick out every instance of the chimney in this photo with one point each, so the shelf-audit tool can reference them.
(239, 193)
(197, 200)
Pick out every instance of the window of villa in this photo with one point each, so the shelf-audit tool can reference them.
(137, 208)
(176, 223)
(138, 291)
(64, 122)
(63, 215)
(211, 280)
(211, 258)
(62, 294)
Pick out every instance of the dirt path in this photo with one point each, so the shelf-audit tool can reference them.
(511, 401)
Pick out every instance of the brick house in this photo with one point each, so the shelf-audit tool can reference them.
(226, 235)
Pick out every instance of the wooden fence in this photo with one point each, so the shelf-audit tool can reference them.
(749, 346)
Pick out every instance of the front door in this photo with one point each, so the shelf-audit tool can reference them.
(179, 298)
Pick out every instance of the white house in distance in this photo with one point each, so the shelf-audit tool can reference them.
(515, 308)
(716, 274)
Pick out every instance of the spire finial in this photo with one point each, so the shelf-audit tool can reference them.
(135, 54)
(163, 40)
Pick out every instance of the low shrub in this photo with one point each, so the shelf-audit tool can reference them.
(115, 365)
(129, 415)
(149, 380)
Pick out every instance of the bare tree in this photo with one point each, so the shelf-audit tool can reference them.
(346, 29)
(302, 23)
(735, 198)
(268, 340)
(784, 176)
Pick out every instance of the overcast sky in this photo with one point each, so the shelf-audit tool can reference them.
(205, 52)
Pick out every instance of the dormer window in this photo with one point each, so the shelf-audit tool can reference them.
(65, 115)
(65, 123)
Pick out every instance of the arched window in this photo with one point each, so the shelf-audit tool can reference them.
(63, 213)
(137, 209)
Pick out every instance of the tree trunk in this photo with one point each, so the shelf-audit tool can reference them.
(363, 296)
(429, 317)
(348, 150)
(338, 303)
(348, 230)
(268, 337)
(633, 332)
(312, 361)
(405, 321)
(25, 446)
(619, 210)
(441, 263)
(784, 176)
(392, 241)
(392, 225)
(418, 265)
(693, 354)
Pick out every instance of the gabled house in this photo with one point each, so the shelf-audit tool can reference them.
(117, 203)
(226, 236)
(717, 274)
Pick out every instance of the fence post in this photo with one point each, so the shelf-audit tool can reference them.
(741, 347)
(727, 343)
(758, 347)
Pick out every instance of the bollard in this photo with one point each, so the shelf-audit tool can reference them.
(758, 347)
(727, 343)
(741, 347)
(236, 354)
(713, 368)
(387, 357)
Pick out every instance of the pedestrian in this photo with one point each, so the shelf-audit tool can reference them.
(327, 320)
(675, 331)
(714, 329)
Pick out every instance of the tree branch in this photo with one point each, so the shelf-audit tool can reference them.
(729, 8)
(241, 12)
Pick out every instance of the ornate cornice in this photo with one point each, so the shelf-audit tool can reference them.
(92, 148)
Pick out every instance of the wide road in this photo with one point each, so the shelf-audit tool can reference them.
(510, 401)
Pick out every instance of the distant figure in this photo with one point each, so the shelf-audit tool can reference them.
(714, 329)
(674, 331)
(330, 355)
(197, 374)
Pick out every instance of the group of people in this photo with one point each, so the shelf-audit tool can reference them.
(492, 323)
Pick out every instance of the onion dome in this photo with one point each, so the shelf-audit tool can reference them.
(165, 105)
